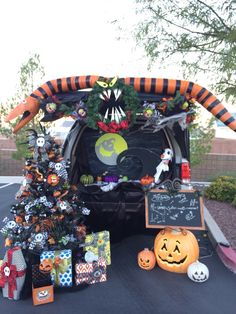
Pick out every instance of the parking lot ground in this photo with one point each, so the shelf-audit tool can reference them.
(132, 290)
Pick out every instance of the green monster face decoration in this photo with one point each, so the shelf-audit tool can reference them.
(112, 105)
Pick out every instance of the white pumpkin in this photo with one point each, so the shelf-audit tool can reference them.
(198, 272)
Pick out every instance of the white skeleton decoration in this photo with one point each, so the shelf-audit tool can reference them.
(158, 122)
(64, 206)
(40, 143)
(163, 166)
(38, 240)
(60, 168)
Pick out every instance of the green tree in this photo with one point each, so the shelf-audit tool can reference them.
(201, 141)
(201, 34)
(30, 74)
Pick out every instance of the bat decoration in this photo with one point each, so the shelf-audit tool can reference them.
(29, 107)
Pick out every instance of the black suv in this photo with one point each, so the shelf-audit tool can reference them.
(122, 210)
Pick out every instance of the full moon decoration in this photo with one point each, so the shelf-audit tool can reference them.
(108, 147)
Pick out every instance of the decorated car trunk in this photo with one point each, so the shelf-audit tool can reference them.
(130, 135)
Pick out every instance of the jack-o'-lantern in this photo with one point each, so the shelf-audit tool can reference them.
(53, 179)
(175, 250)
(146, 180)
(198, 272)
(146, 259)
(45, 266)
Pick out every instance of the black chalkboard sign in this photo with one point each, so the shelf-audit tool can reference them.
(180, 209)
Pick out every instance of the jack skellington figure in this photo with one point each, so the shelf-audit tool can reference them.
(40, 143)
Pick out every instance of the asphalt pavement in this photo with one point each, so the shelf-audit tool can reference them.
(132, 290)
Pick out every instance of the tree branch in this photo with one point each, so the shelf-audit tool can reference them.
(216, 14)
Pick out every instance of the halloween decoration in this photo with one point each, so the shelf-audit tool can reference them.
(112, 105)
(30, 106)
(108, 147)
(146, 259)
(13, 271)
(53, 179)
(163, 166)
(46, 266)
(136, 162)
(86, 179)
(198, 272)
(61, 272)
(91, 273)
(99, 244)
(175, 250)
(40, 143)
(146, 180)
(111, 178)
(60, 168)
(109, 187)
(42, 288)
(47, 216)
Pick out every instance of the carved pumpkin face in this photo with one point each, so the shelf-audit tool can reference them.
(198, 272)
(53, 179)
(176, 250)
(146, 259)
(46, 266)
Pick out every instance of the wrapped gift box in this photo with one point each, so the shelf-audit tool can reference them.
(91, 273)
(13, 270)
(42, 288)
(61, 272)
(99, 244)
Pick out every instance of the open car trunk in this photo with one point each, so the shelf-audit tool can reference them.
(121, 210)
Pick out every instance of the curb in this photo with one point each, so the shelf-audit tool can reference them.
(11, 179)
(225, 252)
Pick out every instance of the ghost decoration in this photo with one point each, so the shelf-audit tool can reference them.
(163, 166)
(198, 272)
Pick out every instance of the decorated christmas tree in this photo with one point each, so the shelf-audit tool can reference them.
(48, 214)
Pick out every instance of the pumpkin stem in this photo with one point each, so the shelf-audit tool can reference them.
(184, 232)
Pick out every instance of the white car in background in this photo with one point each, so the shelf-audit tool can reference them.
(61, 128)
(222, 131)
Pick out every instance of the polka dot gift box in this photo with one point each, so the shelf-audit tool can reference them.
(61, 272)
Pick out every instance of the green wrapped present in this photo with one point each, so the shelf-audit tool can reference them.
(99, 244)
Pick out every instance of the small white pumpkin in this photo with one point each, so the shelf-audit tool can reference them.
(198, 272)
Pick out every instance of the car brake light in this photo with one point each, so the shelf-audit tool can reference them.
(185, 172)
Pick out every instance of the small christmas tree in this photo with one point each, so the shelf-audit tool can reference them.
(48, 214)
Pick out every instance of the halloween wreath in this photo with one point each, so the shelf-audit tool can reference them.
(112, 106)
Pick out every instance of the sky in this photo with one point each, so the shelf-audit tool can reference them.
(72, 38)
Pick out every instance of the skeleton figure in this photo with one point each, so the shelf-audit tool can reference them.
(38, 240)
(41, 143)
(60, 168)
(163, 166)
(64, 206)
(159, 122)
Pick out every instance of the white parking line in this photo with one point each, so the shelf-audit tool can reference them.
(4, 186)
